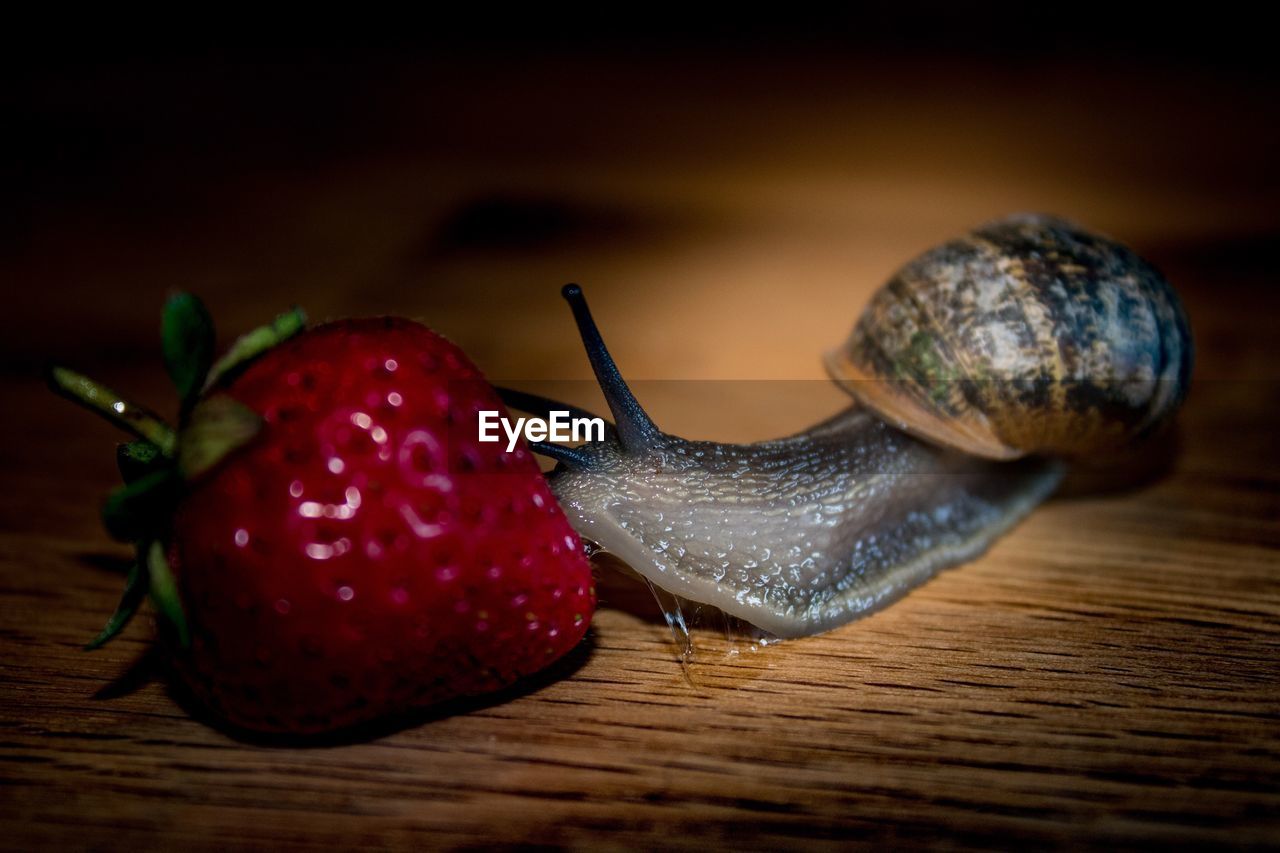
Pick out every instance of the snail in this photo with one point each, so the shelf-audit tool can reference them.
(978, 372)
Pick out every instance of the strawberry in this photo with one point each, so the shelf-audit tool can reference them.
(326, 540)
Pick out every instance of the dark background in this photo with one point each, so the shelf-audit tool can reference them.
(358, 169)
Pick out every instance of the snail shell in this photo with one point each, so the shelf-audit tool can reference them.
(1028, 335)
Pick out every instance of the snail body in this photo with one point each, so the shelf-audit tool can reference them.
(800, 534)
(975, 371)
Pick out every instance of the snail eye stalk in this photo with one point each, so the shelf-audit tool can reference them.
(536, 404)
(570, 456)
(635, 429)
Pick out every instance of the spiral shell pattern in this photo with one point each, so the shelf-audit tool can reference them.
(1028, 335)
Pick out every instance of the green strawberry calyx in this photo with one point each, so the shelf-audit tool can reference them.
(161, 461)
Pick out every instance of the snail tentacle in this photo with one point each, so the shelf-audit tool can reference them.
(537, 404)
(636, 430)
(571, 456)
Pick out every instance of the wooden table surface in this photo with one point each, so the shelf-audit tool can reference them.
(1105, 676)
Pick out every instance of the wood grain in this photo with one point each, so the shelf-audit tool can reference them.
(1106, 676)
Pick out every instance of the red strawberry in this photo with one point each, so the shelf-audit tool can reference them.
(343, 548)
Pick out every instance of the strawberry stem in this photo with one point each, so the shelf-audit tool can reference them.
(98, 398)
(186, 332)
(157, 467)
(217, 426)
(139, 508)
(164, 593)
(249, 346)
(135, 588)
